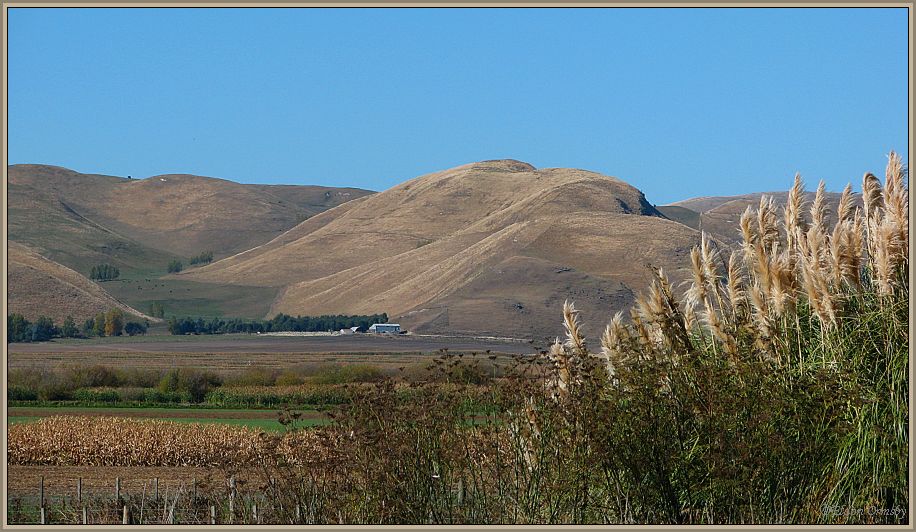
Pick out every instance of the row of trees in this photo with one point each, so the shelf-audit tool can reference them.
(205, 257)
(280, 322)
(104, 272)
(111, 323)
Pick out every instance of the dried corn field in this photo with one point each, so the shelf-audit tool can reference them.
(118, 441)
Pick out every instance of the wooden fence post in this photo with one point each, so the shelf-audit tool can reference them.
(231, 499)
(298, 513)
(43, 516)
(85, 516)
(212, 514)
(117, 488)
(41, 492)
(254, 512)
(126, 519)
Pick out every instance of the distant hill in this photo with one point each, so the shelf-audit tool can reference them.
(140, 225)
(486, 248)
(83, 219)
(38, 286)
(719, 215)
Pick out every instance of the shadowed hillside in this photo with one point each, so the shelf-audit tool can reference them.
(38, 286)
(484, 248)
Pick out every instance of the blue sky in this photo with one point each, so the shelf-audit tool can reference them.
(678, 102)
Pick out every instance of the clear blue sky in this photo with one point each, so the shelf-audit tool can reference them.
(679, 102)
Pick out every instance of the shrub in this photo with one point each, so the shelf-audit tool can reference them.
(21, 393)
(97, 395)
(190, 382)
(253, 377)
(175, 266)
(347, 373)
(133, 328)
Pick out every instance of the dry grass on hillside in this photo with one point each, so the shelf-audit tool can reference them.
(38, 286)
(441, 252)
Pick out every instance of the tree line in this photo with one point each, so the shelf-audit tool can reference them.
(111, 323)
(104, 272)
(279, 323)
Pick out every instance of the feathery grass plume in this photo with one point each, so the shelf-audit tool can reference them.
(767, 229)
(611, 344)
(737, 297)
(887, 256)
(896, 198)
(844, 255)
(560, 357)
(814, 276)
(872, 205)
(782, 282)
(793, 221)
(762, 320)
(667, 313)
(847, 204)
(574, 339)
(644, 335)
(856, 248)
(697, 293)
(819, 208)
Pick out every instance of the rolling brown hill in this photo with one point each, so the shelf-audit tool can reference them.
(486, 248)
(80, 220)
(719, 215)
(38, 286)
(83, 219)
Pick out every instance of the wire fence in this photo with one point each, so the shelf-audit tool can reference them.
(151, 505)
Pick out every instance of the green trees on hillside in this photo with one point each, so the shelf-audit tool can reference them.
(156, 310)
(205, 257)
(175, 266)
(104, 272)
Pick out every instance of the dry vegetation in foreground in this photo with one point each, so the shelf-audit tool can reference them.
(774, 391)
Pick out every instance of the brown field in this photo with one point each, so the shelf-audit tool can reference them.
(241, 353)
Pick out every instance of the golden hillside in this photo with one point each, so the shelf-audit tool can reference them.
(490, 247)
(84, 219)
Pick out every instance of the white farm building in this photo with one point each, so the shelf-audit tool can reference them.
(385, 328)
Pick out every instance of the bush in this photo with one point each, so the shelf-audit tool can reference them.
(91, 377)
(133, 328)
(175, 266)
(253, 377)
(97, 395)
(21, 393)
(288, 378)
(347, 373)
(189, 382)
